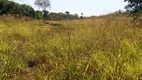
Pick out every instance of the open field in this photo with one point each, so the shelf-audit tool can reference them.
(107, 48)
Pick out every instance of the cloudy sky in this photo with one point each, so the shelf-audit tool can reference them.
(88, 7)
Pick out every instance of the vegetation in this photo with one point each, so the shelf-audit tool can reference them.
(62, 16)
(108, 48)
(98, 48)
(44, 4)
(135, 7)
(10, 7)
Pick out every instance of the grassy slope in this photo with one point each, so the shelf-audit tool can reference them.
(93, 49)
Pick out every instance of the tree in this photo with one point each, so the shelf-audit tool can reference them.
(27, 11)
(44, 4)
(12, 8)
(134, 7)
(45, 15)
(67, 14)
(39, 15)
(81, 16)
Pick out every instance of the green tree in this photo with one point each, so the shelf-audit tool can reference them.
(45, 15)
(3, 6)
(81, 16)
(67, 14)
(134, 7)
(39, 15)
(25, 10)
(44, 4)
(10, 7)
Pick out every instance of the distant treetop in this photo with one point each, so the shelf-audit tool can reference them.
(44, 4)
(134, 7)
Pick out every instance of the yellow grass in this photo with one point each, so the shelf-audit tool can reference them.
(108, 48)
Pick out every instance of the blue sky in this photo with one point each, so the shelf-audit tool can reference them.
(88, 7)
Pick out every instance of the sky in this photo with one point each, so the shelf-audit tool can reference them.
(87, 7)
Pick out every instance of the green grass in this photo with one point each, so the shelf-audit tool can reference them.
(108, 48)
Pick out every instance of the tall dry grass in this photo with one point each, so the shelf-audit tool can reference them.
(107, 48)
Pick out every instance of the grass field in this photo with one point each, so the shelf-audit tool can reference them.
(108, 48)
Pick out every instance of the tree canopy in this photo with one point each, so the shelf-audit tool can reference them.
(134, 7)
(10, 7)
(62, 16)
(44, 4)
(23, 10)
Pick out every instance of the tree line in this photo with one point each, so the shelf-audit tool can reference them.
(22, 10)
(62, 16)
(134, 7)
(10, 7)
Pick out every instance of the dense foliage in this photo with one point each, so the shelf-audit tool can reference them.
(135, 7)
(10, 7)
(62, 16)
